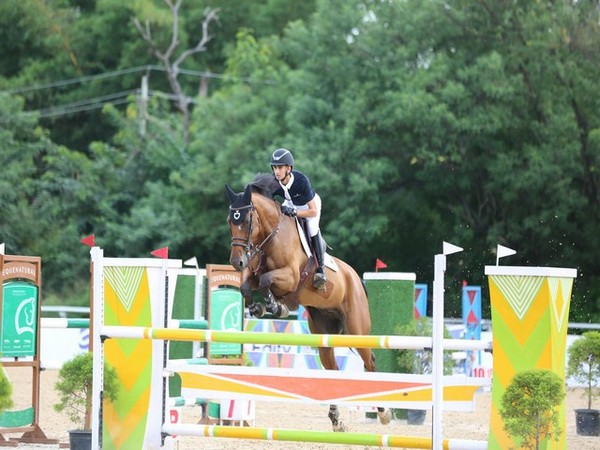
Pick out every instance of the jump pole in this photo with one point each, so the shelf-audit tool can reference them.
(61, 323)
(326, 437)
(308, 340)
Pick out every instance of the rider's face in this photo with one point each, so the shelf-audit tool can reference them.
(281, 171)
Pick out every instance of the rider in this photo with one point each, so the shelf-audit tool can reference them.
(300, 200)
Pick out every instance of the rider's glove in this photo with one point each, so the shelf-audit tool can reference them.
(289, 211)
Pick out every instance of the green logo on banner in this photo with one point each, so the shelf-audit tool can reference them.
(226, 313)
(19, 319)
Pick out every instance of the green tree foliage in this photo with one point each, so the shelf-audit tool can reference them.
(473, 122)
(5, 391)
(74, 387)
(420, 361)
(584, 364)
(530, 407)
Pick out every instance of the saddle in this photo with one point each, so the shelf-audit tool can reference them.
(306, 240)
(309, 268)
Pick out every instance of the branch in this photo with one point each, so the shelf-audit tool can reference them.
(175, 34)
(210, 15)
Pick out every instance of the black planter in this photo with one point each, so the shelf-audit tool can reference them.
(587, 422)
(80, 439)
(415, 416)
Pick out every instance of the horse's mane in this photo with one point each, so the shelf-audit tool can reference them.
(264, 184)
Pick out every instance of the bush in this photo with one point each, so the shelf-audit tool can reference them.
(74, 386)
(420, 361)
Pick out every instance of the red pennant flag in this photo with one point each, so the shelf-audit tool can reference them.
(379, 264)
(90, 240)
(161, 253)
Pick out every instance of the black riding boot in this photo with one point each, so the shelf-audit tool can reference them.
(319, 279)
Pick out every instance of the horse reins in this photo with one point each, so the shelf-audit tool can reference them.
(248, 246)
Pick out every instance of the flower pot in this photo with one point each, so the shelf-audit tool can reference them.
(415, 416)
(587, 422)
(80, 439)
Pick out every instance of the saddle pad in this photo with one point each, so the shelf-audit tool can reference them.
(329, 261)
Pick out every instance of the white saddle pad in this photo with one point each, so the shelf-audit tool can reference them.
(329, 261)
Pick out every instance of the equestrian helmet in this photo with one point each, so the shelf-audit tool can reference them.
(282, 157)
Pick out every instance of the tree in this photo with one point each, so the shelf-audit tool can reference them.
(171, 62)
(530, 407)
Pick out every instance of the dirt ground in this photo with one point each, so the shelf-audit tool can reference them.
(471, 425)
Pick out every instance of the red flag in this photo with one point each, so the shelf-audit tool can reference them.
(379, 264)
(161, 253)
(90, 240)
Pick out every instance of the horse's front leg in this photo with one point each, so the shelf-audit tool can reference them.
(284, 281)
(248, 286)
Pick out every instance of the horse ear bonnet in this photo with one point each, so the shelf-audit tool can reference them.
(240, 204)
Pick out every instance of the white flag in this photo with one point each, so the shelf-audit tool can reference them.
(502, 251)
(448, 249)
(191, 262)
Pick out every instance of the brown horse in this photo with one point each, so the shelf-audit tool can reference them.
(266, 246)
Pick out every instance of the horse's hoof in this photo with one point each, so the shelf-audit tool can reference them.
(340, 427)
(283, 312)
(385, 416)
(273, 308)
(257, 310)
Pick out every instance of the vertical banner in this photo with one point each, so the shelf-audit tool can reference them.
(226, 314)
(530, 314)
(224, 311)
(20, 311)
(420, 300)
(471, 315)
(18, 335)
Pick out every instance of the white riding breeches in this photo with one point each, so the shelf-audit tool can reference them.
(313, 223)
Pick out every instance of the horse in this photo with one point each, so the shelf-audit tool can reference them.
(266, 247)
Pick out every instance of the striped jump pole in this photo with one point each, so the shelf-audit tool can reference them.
(325, 437)
(58, 322)
(309, 340)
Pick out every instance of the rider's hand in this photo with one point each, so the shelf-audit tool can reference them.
(289, 211)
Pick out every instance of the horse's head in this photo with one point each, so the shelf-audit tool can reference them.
(240, 226)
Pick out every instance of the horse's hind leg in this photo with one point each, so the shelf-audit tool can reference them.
(366, 354)
(327, 356)
(336, 423)
(384, 414)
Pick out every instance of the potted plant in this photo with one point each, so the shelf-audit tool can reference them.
(419, 361)
(74, 386)
(530, 407)
(584, 367)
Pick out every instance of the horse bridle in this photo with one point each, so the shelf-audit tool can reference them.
(249, 247)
